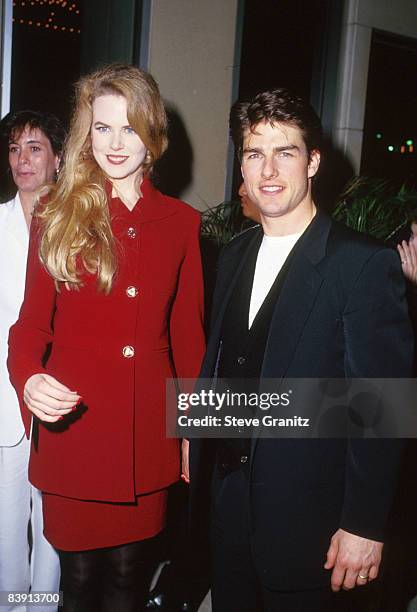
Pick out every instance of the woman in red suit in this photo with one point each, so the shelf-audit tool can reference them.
(114, 286)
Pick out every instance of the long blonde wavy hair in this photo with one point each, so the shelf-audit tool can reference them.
(75, 221)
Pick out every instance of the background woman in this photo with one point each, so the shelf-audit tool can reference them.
(114, 283)
(34, 143)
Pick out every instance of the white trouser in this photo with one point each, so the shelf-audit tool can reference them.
(412, 606)
(21, 503)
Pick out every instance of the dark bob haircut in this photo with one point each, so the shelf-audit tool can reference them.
(14, 124)
(276, 106)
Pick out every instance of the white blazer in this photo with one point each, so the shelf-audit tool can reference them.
(14, 241)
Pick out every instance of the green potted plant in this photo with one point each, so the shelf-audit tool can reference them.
(376, 207)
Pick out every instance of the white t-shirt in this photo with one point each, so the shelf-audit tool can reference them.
(272, 254)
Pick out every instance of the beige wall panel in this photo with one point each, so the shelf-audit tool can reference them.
(191, 54)
(398, 16)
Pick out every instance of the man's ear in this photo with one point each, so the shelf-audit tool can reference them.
(314, 163)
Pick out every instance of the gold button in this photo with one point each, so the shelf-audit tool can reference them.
(131, 232)
(131, 292)
(128, 351)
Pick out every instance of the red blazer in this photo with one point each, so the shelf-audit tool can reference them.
(116, 351)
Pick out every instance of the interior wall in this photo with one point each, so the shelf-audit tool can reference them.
(191, 45)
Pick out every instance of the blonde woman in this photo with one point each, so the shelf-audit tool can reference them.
(114, 285)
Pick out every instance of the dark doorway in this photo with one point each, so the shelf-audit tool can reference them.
(390, 130)
(46, 55)
(288, 44)
(54, 41)
(279, 45)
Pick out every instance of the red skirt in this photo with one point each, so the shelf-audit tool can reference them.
(74, 524)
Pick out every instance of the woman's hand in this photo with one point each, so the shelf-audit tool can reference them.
(48, 399)
(408, 254)
(185, 467)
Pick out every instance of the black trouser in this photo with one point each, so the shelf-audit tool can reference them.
(107, 579)
(236, 586)
(186, 577)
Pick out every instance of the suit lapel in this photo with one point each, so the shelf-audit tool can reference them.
(231, 268)
(296, 299)
(290, 316)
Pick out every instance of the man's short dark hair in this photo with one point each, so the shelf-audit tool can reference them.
(276, 106)
(14, 124)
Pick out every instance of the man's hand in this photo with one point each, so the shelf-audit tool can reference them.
(354, 560)
(49, 399)
(185, 468)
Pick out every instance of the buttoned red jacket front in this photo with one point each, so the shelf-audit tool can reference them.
(116, 351)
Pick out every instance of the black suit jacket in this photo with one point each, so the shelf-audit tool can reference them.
(341, 313)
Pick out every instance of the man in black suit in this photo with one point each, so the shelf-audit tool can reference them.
(294, 521)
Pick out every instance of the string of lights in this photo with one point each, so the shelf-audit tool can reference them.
(53, 15)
